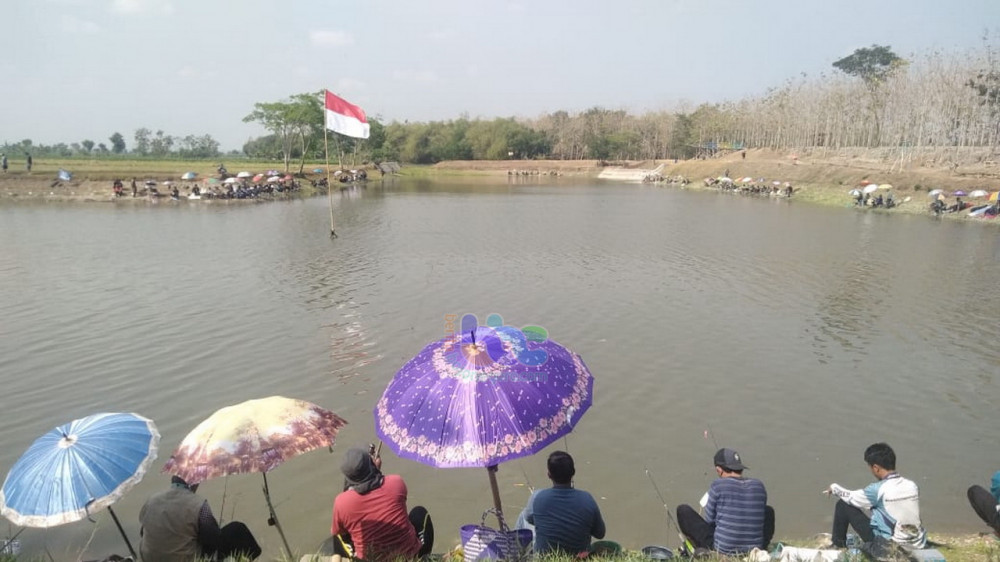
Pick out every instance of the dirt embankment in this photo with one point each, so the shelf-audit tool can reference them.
(820, 176)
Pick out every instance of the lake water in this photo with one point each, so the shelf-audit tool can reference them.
(796, 334)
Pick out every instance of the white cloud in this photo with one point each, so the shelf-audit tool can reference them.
(73, 24)
(141, 7)
(330, 38)
(414, 75)
(439, 36)
(348, 85)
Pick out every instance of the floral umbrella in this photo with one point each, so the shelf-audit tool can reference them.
(253, 436)
(483, 397)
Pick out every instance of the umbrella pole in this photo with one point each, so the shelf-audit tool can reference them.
(492, 470)
(124, 536)
(274, 518)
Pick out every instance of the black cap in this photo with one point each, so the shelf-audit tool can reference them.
(729, 460)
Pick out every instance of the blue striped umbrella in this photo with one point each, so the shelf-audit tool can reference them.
(77, 469)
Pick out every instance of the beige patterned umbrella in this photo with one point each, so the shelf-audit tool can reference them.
(253, 436)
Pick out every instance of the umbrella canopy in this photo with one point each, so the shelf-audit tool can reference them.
(317, 170)
(274, 179)
(978, 193)
(230, 180)
(870, 188)
(64, 175)
(934, 192)
(189, 175)
(994, 196)
(747, 179)
(855, 192)
(885, 186)
(483, 397)
(168, 182)
(864, 183)
(244, 175)
(959, 193)
(257, 178)
(506, 406)
(78, 468)
(253, 436)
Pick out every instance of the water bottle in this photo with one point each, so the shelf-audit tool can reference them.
(853, 547)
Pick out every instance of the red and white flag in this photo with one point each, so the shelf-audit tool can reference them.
(345, 118)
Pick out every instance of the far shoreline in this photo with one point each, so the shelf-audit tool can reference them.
(818, 179)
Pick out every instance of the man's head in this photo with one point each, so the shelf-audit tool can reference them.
(880, 458)
(728, 460)
(181, 483)
(561, 469)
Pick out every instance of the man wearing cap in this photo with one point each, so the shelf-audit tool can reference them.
(736, 518)
(178, 526)
(370, 515)
(892, 501)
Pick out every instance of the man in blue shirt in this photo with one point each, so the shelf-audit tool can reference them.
(737, 518)
(893, 503)
(564, 518)
(987, 504)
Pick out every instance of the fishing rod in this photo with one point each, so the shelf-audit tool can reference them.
(685, 543)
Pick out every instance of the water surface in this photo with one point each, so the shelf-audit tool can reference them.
(796, 334)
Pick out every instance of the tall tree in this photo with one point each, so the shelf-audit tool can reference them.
(142, 135)
(88, 145)
(874, 66)
(117, 143)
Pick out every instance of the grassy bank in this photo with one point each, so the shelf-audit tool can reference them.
(821, 178)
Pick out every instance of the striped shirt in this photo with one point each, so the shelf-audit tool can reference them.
(736, 508)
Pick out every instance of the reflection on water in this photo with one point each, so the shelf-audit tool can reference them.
(797, 335)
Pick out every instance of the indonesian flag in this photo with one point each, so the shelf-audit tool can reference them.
(344, 118)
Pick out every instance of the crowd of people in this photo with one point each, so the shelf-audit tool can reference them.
(751, 186)
(371, 521)
(243, 189)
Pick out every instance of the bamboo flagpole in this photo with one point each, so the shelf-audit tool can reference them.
(329, 185)
(346, 119)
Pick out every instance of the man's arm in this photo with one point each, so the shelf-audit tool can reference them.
(597, 529)
(209, 535)
(857, 498)
(713, 498)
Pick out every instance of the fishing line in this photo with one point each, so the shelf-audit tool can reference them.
(670, 516)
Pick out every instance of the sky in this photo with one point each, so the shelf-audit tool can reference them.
(84, 69)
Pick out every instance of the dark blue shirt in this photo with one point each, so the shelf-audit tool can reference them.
(564, 519)
(736, 508)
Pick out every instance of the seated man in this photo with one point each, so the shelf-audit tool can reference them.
(370, 516)
(894, 503)
(178, 526)
(737, 518)
(564, 518)
(987, 504)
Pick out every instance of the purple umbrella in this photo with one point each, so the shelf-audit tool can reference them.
(482, 397)
(959, 193)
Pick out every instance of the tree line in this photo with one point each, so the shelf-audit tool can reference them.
(146, 143)
(872, 99)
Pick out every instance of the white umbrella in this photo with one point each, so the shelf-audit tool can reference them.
(230, 180)
(168, 182)
(870, 188)
(885, 186)
(934, 192)
(726, 180)
(776, 182)
(855, 192)
(244, 175)
(978, 193)
(273, 179)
